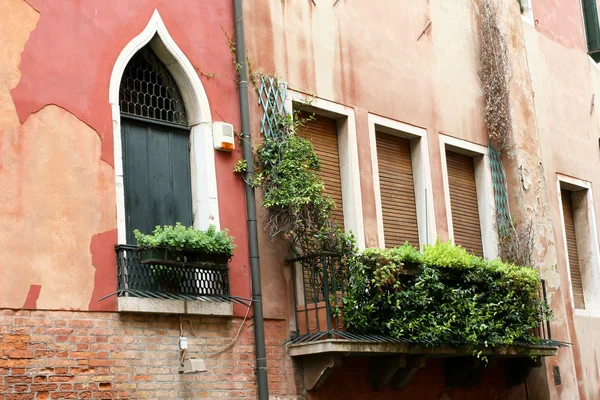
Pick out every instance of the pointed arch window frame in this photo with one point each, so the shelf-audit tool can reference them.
(205, 204)
(149, 91)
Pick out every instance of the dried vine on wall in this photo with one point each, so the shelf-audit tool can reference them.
(515, 242)
(495, 75)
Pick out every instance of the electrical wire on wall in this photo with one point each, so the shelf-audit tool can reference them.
(204, 344)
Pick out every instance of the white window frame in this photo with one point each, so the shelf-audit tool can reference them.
(205, 204)
(527, 14)
(419, 150)
(348, 153)
(590, 270)
(485, 190)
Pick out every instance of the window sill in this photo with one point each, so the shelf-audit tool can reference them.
(528, 19)
(163, 306)
(586, 313)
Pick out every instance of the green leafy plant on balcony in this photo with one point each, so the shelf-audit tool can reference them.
(299, 208)
(443, 296)
(170, 246)
(188, 239)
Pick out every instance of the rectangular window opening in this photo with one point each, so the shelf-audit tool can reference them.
(574, 204)
(397, 190)
(592, 28)
(323, 133)
(463, 202)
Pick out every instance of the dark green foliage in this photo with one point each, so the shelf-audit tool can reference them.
(289, 169)
(452, 297)
(179, 238)
(294, 193)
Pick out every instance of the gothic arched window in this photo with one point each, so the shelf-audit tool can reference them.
(155, 140)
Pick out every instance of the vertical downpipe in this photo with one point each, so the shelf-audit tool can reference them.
(259, 325)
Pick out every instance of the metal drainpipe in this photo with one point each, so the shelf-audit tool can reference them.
(259, 325)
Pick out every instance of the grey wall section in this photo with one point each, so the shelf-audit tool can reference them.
(156, 168)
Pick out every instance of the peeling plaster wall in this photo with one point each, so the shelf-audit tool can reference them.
(564, 81)
(365, 55)
(57, 203)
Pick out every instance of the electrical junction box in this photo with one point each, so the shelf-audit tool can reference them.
(193, 365)
(183, 343)
(223, 137)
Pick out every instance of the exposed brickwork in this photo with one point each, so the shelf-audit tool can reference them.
(78, 355)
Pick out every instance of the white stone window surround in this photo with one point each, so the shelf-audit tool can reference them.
(589, 252)
(205, 205)
(527, 13)
(419, 149)
(485, 190)
(348, 152)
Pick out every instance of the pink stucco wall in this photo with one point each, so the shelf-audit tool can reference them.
(565, 80)
(366, 56)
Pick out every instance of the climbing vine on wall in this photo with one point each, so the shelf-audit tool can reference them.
(515, 238)
(495, 76)
(287, 169)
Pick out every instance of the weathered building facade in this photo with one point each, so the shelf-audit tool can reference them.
(397, 91)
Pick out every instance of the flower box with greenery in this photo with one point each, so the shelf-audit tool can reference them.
(451, 298)
(186, 246)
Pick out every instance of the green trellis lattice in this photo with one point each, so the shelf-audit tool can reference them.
(503, 218)
(271, 96)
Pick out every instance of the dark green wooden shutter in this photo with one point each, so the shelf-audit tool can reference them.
(592, 28)
(156, 168)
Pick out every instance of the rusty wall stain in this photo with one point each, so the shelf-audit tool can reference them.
(32, 296)
(105, 278)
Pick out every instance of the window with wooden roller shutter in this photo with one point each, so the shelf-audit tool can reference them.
(572, 251)
(322, 132)
(463, 202)
(397, 190)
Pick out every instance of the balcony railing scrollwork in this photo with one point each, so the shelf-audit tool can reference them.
(170, 280)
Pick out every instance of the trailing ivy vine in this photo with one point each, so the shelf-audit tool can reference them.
(287, 169)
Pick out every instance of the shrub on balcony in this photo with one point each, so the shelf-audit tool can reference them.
(448, 296)
(188, 239)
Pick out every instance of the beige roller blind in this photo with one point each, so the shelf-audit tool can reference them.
(572, 252)
(463, 202)
(322, 132)
(397, 191)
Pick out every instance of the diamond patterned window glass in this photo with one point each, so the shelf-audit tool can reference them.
(149, 91)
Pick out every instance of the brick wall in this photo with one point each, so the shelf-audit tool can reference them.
(76, 355)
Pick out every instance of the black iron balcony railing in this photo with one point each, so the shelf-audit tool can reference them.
(174, 280)
(320, 282)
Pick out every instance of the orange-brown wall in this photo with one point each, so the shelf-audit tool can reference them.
(57, 203)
